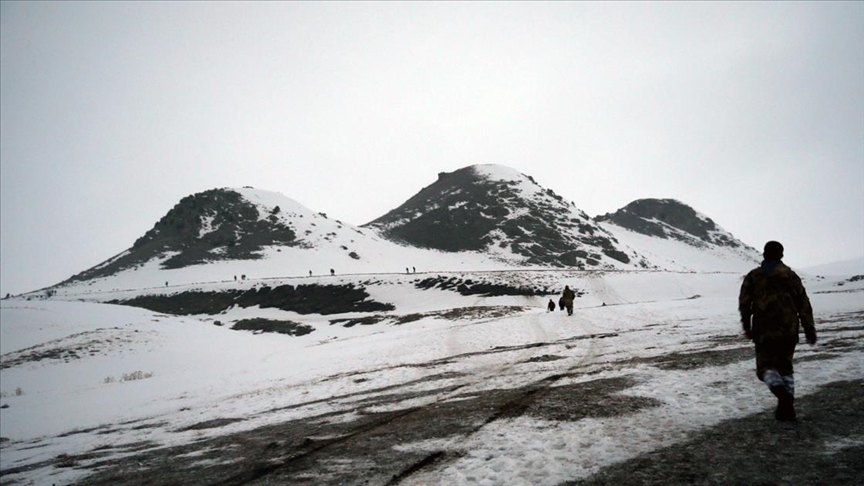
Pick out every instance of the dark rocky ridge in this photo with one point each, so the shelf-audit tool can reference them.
(259, 324)
(466, 211)
(302, 299)
(486, 289)
(668, 218)
(236, 233)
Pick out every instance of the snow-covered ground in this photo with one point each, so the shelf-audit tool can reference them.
(845, 267)
(78, 376)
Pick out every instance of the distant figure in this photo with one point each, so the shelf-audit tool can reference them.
(310, 273)
(406, 270)
(561, 303)
(551, 306)
(235, 278)
(414, 268)
(567, 296)
(332, 272)
(773, 303)
(243, 277)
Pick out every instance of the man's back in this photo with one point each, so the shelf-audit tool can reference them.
(774, 295)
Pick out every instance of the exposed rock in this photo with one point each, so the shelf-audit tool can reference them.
(668, 218)
(218, 224)
(258, 324)
(302, 299)
(498, 210)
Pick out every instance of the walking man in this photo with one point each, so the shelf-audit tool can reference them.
(772, 303)
(567, 296)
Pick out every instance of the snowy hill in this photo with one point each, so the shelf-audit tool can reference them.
(671, 219)
(227, 234)
(479, 218)
(845, 267)
(674, 236)
(495, 209)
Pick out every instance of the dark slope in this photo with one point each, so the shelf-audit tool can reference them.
(671, 219)
(218, 224)
(499, 210)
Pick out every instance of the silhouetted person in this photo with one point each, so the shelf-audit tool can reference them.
(551, 306)
(332, 272)
(567, 298)
(773, 303)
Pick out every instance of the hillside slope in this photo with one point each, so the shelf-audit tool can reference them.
(674, 236)
(231, 234)
(497, 210)
(481, 217)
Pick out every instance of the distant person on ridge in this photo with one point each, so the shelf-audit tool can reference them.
(567, 297)
(773, 303)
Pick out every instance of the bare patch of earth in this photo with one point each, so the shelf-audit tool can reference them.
(824, 447)
(75, 346)
(470, 313)
(259, 325)
(476, 286)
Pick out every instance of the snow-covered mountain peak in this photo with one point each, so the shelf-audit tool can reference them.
(498, 210)
(670, 218)
(227, 224)
(523, 183)
(267, 201)
(658, 227)
(311, 227)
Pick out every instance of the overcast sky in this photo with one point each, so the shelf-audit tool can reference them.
(751, 113)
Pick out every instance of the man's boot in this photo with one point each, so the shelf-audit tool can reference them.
(782, 388)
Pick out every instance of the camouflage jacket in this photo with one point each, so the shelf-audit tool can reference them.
(774, 297)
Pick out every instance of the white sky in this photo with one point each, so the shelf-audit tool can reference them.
(752, 113)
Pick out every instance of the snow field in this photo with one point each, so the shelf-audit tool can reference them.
(203, 372)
